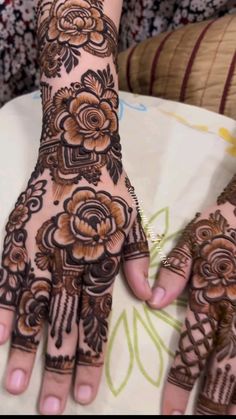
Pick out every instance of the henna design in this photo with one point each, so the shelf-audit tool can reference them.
(88, 358)
(15, 259)
(217, 391)
(80, 134)
(94, 314)
(67, 28)
(229, 194)
(31, 311)
(210, 247)
(194, 347)
(63, 365)
(136, 244)
(91, 229)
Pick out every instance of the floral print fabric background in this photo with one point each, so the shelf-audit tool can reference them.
(170, 190)
(141, 19)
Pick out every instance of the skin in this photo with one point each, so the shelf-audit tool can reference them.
(49, 272)
(203, 260)
(77, 221)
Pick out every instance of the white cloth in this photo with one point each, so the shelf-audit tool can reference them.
(179, 158)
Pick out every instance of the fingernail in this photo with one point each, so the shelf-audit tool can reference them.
(2, 333)
(51, 405)
(176, 412)
(84, 394)
(158, 295)
(17, 380)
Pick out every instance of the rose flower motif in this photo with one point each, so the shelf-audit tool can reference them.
(18, 218)
(215, 270)
(49, 60)
(90, 122)
(76, 23)
(33, 308)
(92, 225)
(15, 260)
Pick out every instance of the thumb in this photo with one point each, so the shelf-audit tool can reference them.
(135, 260)
(172, 278)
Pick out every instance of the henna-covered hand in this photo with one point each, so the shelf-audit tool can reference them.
(77, 218)
(206, 257)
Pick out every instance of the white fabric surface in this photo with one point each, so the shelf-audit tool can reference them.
(179, 158)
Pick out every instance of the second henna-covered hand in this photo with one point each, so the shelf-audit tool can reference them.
(205, 257)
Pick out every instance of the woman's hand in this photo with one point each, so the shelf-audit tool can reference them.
(60, 261)
(78, 215)
(205, 257)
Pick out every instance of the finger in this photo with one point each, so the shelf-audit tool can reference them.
(217, 389)
(31, 311)
(95, 309)
(62, 342)
(173, 278)
(10, 283)
(196, 342)
(136, 261)
(232, 407)
(217, 393)
(93, 332)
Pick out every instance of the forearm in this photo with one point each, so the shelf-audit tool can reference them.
(77, 43)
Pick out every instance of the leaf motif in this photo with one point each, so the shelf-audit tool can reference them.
(93, 83)
(112, 97)
(114, 167)
(121, 329)
(150, 340)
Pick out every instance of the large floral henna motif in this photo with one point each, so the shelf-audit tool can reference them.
(81, 247)
(65, 29)
(80, 134)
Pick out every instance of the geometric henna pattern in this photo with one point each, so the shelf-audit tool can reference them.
(67, 28)
(80, 130)
(195, 345)
(63, 365)
(136, 245)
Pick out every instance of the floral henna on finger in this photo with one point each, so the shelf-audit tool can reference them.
(15, 258)
(91, 230)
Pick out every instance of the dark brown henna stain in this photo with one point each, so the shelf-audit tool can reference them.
(229, 193)
(15, 259)
(80, 130)
(63, 365)
(220, 385)
(136, 244)
(65, 29)
(90, 230)
(194, 347)
(94, 314)
(31, 312)
(211, 247)
(87, 358)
